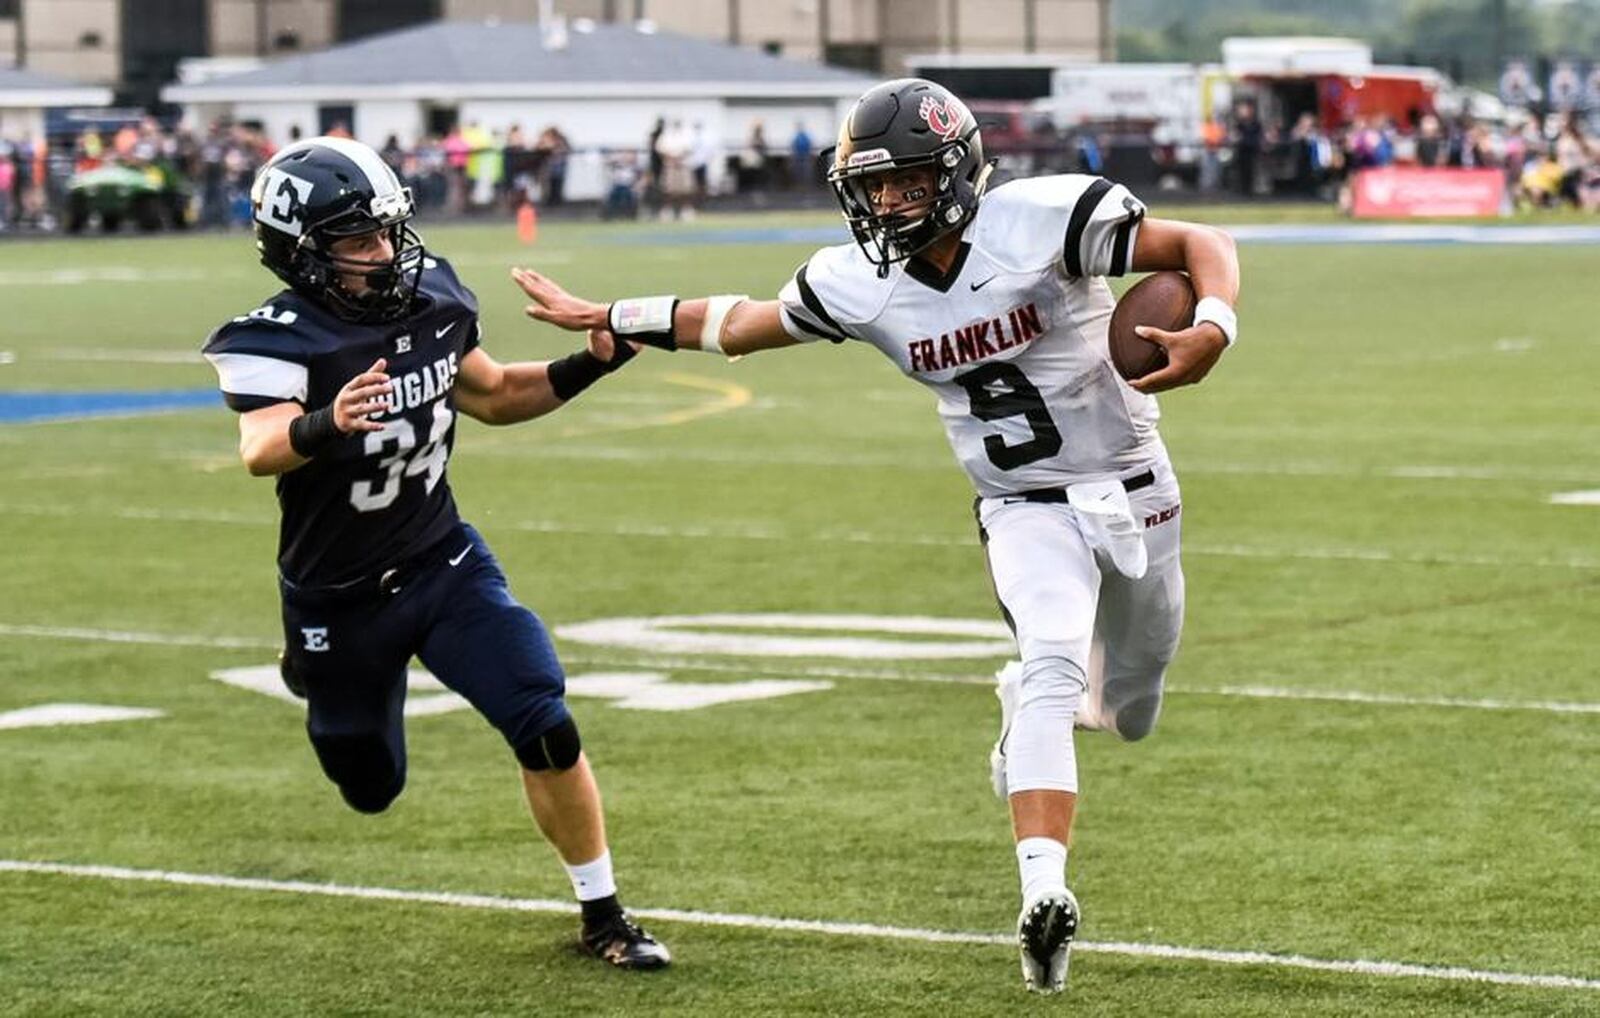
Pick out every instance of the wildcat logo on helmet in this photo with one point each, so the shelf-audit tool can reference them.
(943, 116)
(907, 123)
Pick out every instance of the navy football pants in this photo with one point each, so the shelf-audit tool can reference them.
(459, 617)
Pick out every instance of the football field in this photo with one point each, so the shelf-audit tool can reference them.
(1374, 789)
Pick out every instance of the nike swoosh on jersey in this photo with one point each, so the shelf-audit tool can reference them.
(460, 555)
(440, 333)
(978, 286)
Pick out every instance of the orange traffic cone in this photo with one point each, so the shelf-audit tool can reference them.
(527, 223)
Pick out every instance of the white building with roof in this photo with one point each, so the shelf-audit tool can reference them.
(26, 96)
(603, 85)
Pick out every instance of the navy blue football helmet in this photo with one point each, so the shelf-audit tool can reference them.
(312, 193)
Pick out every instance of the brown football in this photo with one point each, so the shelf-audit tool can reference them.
(1163, 299)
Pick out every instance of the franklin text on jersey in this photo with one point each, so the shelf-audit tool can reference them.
(1012, 338)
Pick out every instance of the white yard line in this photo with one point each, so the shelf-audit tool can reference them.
(1576, 498)
(148, 639)
(259, 519)
(977, 677)
(698, 664)
(110, 274)
(733, 530)
(509, 446)
(1383, 555)
(1353, 696)
(129, 356)
(51, 715)
(1358, 967)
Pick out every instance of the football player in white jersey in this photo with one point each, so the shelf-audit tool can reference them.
(997, 302)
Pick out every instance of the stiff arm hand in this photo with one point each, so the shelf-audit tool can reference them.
(750, 325)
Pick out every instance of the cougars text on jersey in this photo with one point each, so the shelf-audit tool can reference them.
(376, 498)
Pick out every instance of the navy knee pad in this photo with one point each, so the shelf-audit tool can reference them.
(555, 749)
(367, 774)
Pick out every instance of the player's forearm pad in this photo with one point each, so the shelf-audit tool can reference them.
(646, 320)
(312, 433)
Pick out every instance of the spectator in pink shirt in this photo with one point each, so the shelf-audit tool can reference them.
(8, 180)
(456, 151)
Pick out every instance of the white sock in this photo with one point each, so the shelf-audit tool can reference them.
(1043, 865)
(592, 880)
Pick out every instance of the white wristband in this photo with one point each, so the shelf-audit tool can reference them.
(717, 310)
(1216, 311)
(641, 314)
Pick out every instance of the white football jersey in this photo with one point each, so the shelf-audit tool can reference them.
(1012, 339)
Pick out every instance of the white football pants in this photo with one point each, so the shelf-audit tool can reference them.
(1095, 645)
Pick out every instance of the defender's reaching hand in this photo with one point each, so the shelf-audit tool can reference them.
(558, 307)
(605, 347)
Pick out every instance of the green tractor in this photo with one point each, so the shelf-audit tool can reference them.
(151, 197)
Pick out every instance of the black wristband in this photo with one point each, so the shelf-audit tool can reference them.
(576, 372)
(622, 352)
(312, 433)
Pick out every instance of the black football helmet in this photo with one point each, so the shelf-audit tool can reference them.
(316, 191)
(903, 123)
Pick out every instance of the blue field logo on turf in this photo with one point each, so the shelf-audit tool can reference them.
(32, 407)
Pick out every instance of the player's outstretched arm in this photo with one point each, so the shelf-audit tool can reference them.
(278, 438)
(1209, 257)
(496, 393)
(730, 324)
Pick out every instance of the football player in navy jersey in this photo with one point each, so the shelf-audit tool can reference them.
(347, 385)
(997, 302)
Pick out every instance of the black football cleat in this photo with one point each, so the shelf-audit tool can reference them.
(1044, 933)
(619, 940)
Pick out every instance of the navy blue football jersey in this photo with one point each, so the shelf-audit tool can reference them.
(372, 499)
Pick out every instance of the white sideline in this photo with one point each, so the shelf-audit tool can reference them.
(829, 672)
(839, 929)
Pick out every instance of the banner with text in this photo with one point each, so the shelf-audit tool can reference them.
(1401, 191)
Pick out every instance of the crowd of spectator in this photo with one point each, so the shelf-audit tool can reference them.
(218, 167)
(670, 174)
(1547, 163)
(469, 169)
